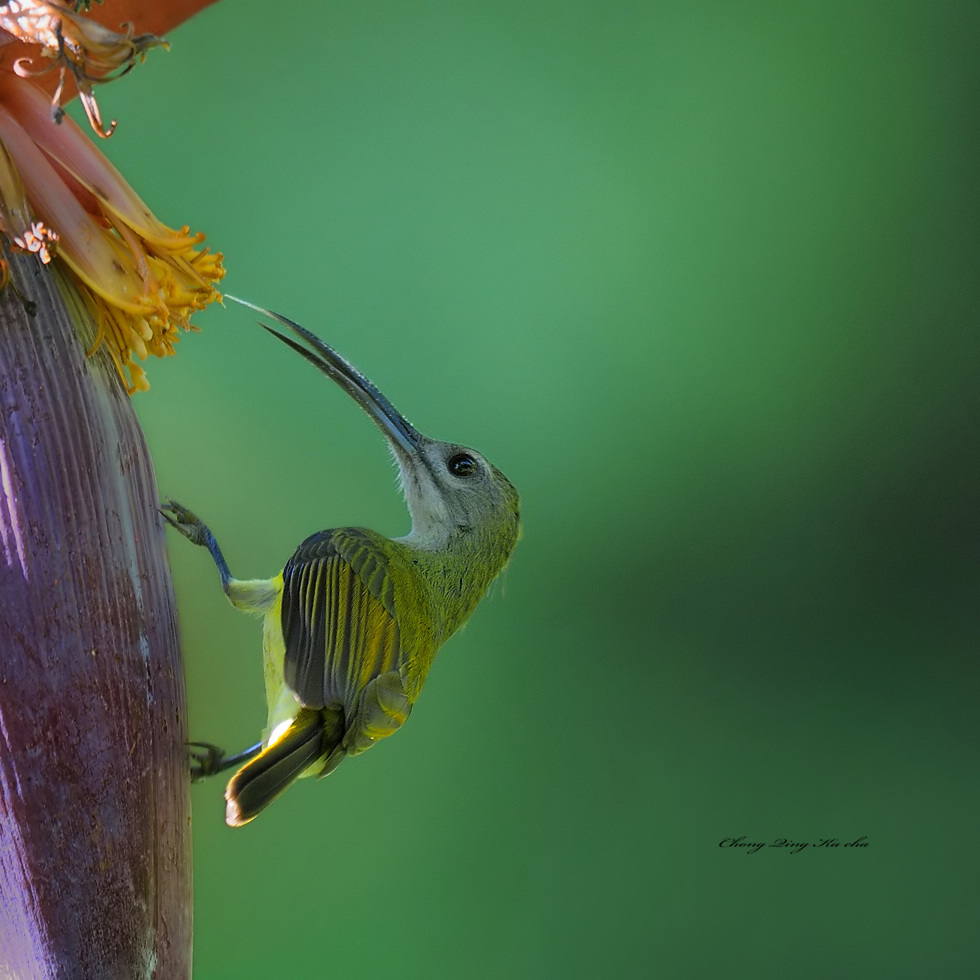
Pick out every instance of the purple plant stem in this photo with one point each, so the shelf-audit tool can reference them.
(95, 874)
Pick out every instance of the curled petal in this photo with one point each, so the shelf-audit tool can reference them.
(77, 46)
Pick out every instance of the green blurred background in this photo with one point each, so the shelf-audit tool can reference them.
(701, 278)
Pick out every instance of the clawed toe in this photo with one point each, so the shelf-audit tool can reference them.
(205, 760)
(183, 520)
(208, 760)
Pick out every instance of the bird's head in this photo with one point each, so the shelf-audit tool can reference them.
(457, 498)
(454, 493)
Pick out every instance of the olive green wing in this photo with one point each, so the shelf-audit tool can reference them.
(338, 619)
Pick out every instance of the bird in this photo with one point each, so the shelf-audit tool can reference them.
(353, 620)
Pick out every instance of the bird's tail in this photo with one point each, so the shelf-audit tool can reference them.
(310, 737)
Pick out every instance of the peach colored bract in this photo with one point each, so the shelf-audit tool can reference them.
(62, 199)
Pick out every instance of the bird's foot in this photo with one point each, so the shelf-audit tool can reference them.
(208, 760)
(205, 760)
(188, 523)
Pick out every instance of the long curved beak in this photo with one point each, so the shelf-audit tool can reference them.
(399, 431)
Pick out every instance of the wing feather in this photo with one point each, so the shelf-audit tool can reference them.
(338, 618)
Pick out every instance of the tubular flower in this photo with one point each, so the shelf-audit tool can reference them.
(59, 196)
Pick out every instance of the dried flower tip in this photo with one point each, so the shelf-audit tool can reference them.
(90, 52)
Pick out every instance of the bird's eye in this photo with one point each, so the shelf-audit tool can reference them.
(462, 464)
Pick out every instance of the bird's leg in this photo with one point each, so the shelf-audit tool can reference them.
(208, 760)
(250, 595)
(197, 532)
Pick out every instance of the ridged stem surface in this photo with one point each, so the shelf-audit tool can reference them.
(95, 876)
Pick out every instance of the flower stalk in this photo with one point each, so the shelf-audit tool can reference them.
(94, 808)
(95, 874)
